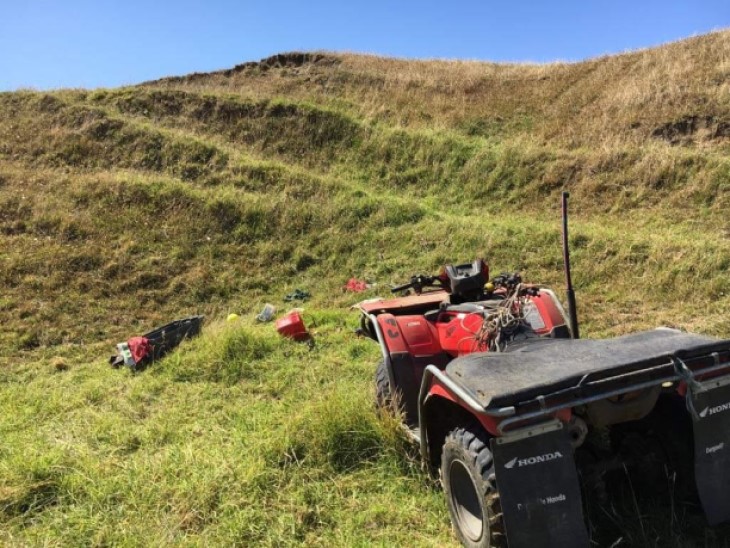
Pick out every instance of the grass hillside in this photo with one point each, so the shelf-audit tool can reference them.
(121, 209)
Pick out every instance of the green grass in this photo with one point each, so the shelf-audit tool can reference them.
(238, 437)
(123, 209)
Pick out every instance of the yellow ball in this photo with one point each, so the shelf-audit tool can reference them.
(232, 317)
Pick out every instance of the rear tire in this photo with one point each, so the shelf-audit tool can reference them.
(468, 479)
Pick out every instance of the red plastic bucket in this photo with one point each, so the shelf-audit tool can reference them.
(292, 326)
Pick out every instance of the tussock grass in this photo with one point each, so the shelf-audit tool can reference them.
(293, 453)
(342, 432)
(121, 209)
(228, 356)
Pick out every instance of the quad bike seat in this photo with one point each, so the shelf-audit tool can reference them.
(464, 308)
(471, 307)
(542, 366)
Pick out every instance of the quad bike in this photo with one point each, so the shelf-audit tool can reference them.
(494, 384)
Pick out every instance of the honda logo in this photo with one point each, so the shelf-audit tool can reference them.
(709, 411)
(529, 461)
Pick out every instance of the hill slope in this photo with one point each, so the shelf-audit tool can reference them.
(123, 208)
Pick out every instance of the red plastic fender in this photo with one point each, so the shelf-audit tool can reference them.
(392, 337)
(457, 332)
(420, 335)
(549, 312)
(490, 424)
(412, 334)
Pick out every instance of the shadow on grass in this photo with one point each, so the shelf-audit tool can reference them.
(636, 511)
(28, 500)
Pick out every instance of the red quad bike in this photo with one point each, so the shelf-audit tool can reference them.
(501, 394)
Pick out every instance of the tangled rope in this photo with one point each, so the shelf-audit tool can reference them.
(502, 322)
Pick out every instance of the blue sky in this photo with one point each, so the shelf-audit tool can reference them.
(99, 43)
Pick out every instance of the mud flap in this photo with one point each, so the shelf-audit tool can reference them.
(711, 425)
(539, 490)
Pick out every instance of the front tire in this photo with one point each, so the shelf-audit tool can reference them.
(383, 394)
(468, 479)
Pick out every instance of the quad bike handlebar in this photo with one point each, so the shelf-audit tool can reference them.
(505, 281)
(513, 282)
(418, 282)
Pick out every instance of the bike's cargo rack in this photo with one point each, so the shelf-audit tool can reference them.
(542, 504)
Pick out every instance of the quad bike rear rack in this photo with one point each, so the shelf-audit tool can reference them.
(538, 432)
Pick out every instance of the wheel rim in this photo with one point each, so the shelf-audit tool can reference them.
(465, 501)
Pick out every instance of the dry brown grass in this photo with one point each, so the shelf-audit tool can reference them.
(609, 100)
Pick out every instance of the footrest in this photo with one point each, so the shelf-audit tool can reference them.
(539, 490)
(712, 451)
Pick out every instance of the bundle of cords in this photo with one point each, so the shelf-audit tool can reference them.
(501, 323)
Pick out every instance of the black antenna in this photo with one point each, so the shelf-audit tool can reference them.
(572, 313)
